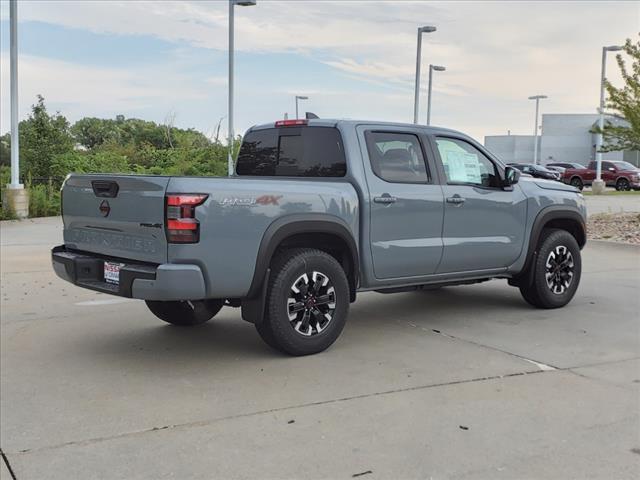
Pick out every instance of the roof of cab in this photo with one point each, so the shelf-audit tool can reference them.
(332, 122)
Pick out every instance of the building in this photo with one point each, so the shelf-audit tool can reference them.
(563, 138)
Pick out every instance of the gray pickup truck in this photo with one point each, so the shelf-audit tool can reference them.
(319, 210)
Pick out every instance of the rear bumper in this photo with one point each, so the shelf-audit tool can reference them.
(145, 281)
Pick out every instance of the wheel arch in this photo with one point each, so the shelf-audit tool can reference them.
(555, 216)
(327, 233)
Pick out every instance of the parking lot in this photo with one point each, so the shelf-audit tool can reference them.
(464, 382)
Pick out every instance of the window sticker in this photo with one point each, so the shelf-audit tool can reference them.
(463, 167)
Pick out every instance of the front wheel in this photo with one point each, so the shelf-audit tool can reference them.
(577, 182)
(622, 185)
(185, 313)
(556, 271)
(307, 302)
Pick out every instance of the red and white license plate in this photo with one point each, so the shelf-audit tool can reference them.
(112, 272)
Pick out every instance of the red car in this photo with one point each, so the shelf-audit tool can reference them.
(621, 175)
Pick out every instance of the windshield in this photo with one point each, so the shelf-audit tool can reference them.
(624, 166)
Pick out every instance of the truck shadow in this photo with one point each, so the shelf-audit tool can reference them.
(227, 337)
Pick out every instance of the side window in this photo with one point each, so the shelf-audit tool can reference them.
(396, 157)
(464, 163)
(608, 165)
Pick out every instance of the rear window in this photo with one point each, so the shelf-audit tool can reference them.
(292, 152)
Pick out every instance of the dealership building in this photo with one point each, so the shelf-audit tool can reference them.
(563, 138)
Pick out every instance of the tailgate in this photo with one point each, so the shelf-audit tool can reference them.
(116, 215)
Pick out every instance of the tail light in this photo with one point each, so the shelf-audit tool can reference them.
(291, 123)
(182, 226)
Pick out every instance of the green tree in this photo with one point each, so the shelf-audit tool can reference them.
(625, 102)
(5, 149)
(42, 137)
(92, 132)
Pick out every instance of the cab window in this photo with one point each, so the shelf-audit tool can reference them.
(465, 164)
(396, 157)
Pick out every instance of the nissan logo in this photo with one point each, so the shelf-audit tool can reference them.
(105, 208)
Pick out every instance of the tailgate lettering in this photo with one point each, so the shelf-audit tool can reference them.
(115, 241)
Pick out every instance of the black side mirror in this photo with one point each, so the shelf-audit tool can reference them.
(511, 176)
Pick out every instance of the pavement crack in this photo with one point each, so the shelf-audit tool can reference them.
(544, 367)
(211, 421)
(7, 464)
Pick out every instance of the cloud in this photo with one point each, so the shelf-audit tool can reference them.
(496, 53)
(79, 90)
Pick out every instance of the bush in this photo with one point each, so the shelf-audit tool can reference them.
(82, 162)
(5, 177)
(44, 200)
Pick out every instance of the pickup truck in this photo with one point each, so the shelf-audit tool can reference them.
(620, 175)
(317, 211)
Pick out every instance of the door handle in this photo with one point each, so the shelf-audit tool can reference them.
(456, 200)
(385, 199)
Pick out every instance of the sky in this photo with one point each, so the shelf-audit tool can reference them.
(166, 61)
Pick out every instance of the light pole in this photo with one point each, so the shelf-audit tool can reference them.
(537, 98)
(17, 196)
(299, 97)
(416, 100)
(232, 3)
(598, 185)
(432, 68)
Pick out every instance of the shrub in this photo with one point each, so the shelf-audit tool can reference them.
(44, 200)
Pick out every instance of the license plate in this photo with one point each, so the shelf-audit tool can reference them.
(112, 272)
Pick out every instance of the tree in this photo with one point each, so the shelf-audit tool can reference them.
(42, 137)
(5, 149)
(92, 132)
(625, 103)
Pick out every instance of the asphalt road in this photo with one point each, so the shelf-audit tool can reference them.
(465, 382)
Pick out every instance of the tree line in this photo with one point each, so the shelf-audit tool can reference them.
(51, 147)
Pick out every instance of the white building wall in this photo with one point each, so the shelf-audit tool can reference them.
(564, 138)
(567, 138)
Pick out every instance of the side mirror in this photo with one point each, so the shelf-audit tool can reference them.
(611, 169)
(511, 176)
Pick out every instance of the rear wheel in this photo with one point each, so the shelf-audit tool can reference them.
(622, 185)
(557, 270)
(185, 313)
(577, 182)
(307, 302)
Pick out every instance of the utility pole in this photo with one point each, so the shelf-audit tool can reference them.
(17, 197)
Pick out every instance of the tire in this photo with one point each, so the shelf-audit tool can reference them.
(310, 320)
(185, 313)
(577, 182)
(622, 185)
(557, 270)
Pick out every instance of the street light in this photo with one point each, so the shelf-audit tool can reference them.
(598, 186)
(432, 68)
(537, 98)
(299, 97)
(13, 53)
(232, 3)
(416, 100)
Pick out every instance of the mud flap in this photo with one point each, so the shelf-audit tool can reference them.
(252, 309)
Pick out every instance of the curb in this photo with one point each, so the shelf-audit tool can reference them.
(612, 243)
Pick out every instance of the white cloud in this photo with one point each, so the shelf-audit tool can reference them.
(496, 53)
(79, 90)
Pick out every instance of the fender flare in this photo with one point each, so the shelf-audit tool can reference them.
(279, 230)
(552, 212)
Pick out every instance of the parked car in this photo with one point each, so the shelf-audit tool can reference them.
(318, 211)
(560, 170)
(566, 165)
(620, 175)
(537, 171)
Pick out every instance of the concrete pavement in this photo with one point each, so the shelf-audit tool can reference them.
(464, 382)
(612, 203)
